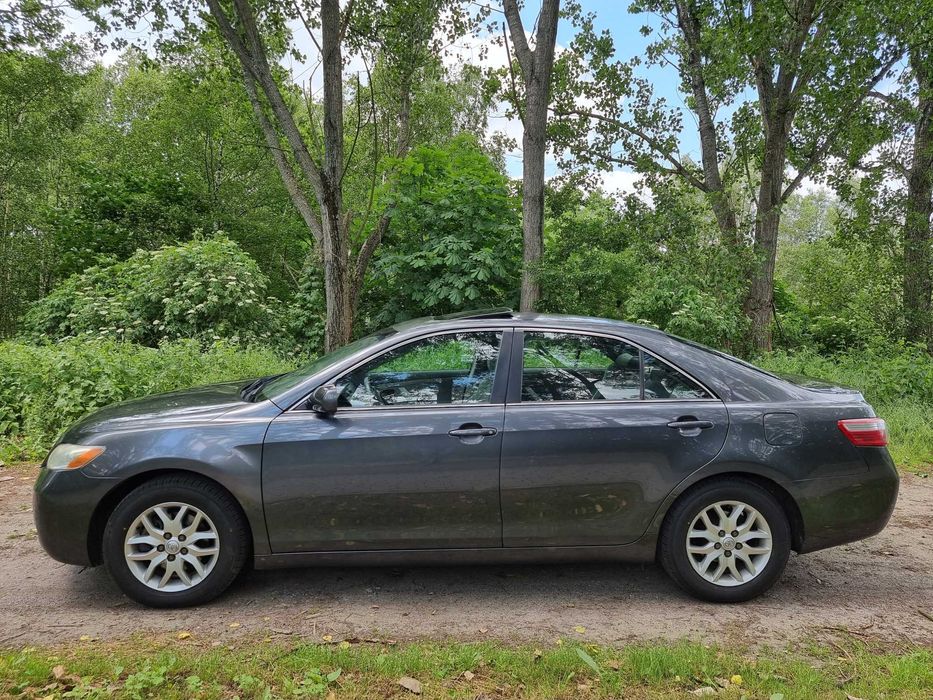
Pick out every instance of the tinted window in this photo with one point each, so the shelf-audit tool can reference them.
(456, 368)
(572, 367)
(664, 382)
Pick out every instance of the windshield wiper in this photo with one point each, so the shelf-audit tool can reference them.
(251, 390)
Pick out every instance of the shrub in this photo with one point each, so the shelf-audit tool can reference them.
(46, 388)
(207, 289)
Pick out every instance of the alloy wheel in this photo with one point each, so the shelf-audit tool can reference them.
(171, 547)
(729, 543)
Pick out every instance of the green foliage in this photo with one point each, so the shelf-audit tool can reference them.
(663, 671)
(207, 289)
(116, 212)
(48, 387)
(832, 295)
(454, 240)
(659, 264)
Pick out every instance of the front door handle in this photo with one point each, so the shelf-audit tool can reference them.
(472, 432)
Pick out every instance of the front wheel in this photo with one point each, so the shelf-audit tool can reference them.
(174, 541)
(726, 541)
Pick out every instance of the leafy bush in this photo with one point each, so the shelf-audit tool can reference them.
(46, 388)
(207, 289)
(454, 241)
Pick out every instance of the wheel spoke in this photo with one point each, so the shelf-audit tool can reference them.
(747, 560)
(145, 539)
(195, 564)
(153, 565)
(735, 515)
(193, 527)
(144, 556)
(150, 528)
(203, 551)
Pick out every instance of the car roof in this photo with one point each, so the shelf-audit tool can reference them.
(730, 378)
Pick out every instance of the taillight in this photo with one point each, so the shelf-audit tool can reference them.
(865, 432)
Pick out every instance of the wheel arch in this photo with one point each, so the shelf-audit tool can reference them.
(781, 494)
(113, 497)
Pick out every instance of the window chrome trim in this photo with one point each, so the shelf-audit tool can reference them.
(295, 407)
(642, 348)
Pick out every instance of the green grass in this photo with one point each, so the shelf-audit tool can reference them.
(172, 668)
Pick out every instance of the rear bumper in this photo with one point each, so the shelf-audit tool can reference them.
(63, 507)
(848, 508)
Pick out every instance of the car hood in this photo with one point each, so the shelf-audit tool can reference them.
(200, 403)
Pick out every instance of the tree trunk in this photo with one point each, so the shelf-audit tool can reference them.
(536, 67)
(338, 281)
(534, 147)
(918, 283)
(759, 301)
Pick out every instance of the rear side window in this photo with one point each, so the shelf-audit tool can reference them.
(574, 367)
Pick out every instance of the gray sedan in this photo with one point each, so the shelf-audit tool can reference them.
(473, 438)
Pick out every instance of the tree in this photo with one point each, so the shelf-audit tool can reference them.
(918, 236)
(774, 86)
(454, 241)
(536, 66)
(307, 138)
(41, 108)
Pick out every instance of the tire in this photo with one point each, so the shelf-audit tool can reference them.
(752, 563)
(198, 573)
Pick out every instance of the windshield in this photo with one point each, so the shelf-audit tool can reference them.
(292, 379)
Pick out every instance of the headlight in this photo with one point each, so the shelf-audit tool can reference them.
(67, 456)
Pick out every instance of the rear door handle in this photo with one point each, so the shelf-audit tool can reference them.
(472, 432)
(690, 426)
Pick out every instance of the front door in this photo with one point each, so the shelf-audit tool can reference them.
(597, 434)
(410, 459)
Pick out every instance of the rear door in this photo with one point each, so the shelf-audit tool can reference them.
(597, 433)
(410, 460)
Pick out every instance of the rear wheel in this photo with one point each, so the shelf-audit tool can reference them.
(174, 541)
(726, 541)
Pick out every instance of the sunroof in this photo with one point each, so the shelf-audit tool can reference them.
(498, 312)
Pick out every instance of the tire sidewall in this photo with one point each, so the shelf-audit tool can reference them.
(675, 541)
(229, 530)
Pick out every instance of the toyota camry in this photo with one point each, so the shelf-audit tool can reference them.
(483, 437)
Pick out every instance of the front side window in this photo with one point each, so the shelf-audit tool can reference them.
(454, 368)
(575, 367)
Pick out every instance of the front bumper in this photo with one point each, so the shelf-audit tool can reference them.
(63, 505)
(848, 508)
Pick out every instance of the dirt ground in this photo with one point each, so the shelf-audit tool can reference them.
(881, 587)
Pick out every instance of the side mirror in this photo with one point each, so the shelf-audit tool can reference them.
(324, 399)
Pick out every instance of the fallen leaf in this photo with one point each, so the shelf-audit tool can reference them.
(234, 625)
(410, 684)
(580, 629)
(85, 638)
(483, 630)
(468, 675)
(704, 691)
(613, 664)
(852, 697)
(58, 672)
(184, 635)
